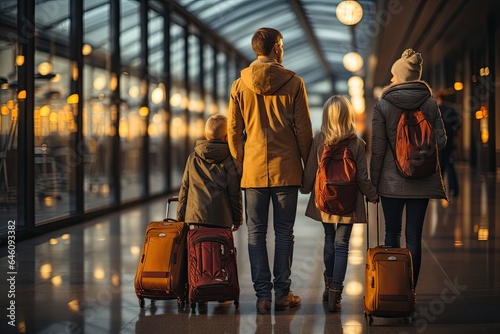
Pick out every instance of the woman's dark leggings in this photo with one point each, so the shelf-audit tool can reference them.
(415, 215)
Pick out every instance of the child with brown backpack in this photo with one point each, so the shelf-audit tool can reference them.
(337, 178)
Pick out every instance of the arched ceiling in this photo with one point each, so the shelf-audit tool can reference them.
(315, 41)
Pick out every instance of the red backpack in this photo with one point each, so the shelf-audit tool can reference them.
(336, 188)
(415, 150)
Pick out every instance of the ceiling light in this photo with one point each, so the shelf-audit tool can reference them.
(86, 49)
(458, 85)
(349, 12)
(355, 82)
(358, 104)
(20, 60)
(45, 68)
(352, 61)
(72, 99)
(99, 83)
(157, 95)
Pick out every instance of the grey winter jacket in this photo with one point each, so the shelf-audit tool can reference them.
(210, 192)
(385, 177)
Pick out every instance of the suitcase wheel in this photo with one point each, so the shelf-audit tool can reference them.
(410, 320)
(369, 318)
(181, 304)
(236, 304)
(141, 302)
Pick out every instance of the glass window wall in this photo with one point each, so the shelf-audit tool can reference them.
(178, 103)
(157, 130)
(208, 64)
(222, 83)
(97, 128)
(132, 126)
(54, 121)
(73, 167)
(196, 105)
(8, 134)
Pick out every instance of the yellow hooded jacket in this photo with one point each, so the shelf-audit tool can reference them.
(269, 126)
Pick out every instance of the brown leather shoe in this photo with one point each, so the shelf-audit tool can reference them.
(264, 306)
(287, 301)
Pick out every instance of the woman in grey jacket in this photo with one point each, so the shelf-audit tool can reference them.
(407, 92)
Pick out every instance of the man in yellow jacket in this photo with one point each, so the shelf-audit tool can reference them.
(269, 135)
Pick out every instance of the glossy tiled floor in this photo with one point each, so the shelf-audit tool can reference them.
(80, 279)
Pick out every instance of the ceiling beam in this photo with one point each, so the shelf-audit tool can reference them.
(298, 9)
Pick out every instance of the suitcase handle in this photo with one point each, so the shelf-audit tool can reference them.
(170, 200)
(368, 227)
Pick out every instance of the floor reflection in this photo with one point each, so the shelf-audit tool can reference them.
(80, 279)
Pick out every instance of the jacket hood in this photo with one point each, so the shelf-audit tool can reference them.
(265, 77)
(407, 95)
(212, 151)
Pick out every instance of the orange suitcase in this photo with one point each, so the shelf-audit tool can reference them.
(389, 290)
(162, 269)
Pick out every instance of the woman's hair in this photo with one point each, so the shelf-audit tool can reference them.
(264, 39)
(338, 119)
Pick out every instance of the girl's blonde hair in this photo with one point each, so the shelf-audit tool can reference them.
(338, 119)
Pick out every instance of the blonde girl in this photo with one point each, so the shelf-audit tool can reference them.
(338, 123)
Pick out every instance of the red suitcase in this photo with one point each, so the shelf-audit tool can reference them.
(162, 269)
(389, 290)
(212, 270)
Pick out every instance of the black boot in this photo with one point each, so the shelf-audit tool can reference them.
(334, 298)
(328, 284)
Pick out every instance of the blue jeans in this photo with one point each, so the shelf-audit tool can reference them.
(336, 251)
(415, 215)
(257, 201)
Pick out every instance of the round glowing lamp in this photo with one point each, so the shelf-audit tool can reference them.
(358, 104)
(45, 68)
(349, 12)
(352, 61)
(355, 82)
(157, 95)
(86, 49)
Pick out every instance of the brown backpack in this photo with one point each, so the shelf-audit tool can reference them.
(336, 188)
(415, 150)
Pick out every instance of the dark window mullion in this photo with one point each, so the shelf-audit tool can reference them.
(26, 106)
(187, 148)
(145, 97)
(115, 67)
(76, 87)
(167, 78)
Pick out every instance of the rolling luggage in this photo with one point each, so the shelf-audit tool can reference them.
(389, 290)
(162, 270)
(212, 270)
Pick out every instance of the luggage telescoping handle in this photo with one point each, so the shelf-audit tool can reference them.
(368, 227)
(167, 211)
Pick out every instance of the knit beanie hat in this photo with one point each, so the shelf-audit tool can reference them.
(408, 67)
